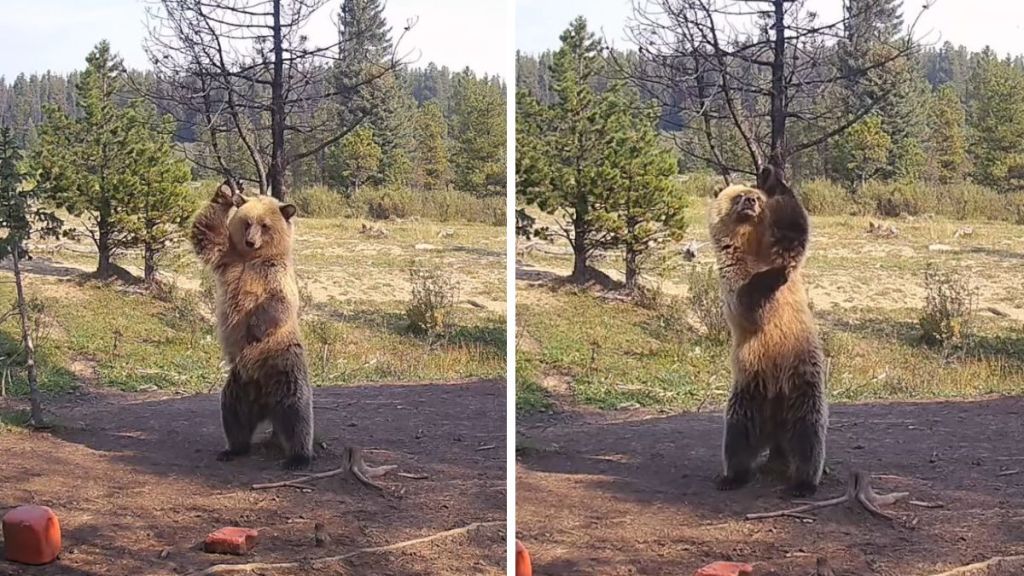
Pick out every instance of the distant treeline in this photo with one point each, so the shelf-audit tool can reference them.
(953, 115)
(471, 124)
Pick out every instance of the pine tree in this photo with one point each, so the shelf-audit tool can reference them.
(874, 32)
(947, 140)
(108, 164)
(354, 160)
(560, 149)
(431, 152)
(161, 203)
(647, 207)
(862, 152)
(478, 135)
(21, 219)
(995, 117)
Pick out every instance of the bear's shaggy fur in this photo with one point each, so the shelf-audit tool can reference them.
(778, 398)
(247, 244)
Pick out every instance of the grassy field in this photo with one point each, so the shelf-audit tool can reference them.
(600, 349)
(355, 286)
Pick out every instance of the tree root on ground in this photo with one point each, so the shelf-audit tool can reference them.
(318, 562)
(859, 490)
(351, 462)
(976, 568)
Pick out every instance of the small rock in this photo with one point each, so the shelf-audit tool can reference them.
(425, 247)
(940, 248)
(231, 540)
(726, 569)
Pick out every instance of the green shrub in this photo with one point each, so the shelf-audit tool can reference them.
(431, 309)
(705, 299)
(892, 199)
(948, 309)
(699, 184)
(319, 202)
(826, 198)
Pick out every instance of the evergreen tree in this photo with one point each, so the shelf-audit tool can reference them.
(354, 160)
(862, 152)
(431, 147)
(648, 207)
(995, 118)
(21, 219)
(560, 149)
(161, 203)
(874, 32)
(947, 140)
(108, 164)
(478, 135)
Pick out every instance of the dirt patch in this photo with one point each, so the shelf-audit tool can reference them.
(134, 481)
(636, 496)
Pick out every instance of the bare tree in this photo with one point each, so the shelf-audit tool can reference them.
(741, 72)
(245, 75)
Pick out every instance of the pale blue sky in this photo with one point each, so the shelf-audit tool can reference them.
(973, 23)
(36, 35)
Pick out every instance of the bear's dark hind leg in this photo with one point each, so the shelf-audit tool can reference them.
(742, 444)
(239, 416)
(806, 439)
(292, 415)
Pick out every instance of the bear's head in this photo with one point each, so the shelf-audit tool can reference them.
(740, 207)
(738, 204)
(261, 226)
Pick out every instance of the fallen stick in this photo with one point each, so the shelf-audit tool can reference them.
(971, 569)
(352, 462)
(858, 489)
(317, 562)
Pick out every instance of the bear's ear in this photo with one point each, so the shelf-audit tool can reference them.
(769, 181)
(288, 211)
(238, 200)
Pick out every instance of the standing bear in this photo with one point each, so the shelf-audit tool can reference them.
(778, 400)
(247, 244)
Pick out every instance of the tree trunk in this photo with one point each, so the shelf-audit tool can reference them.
(35, 403)
(277, 112)
(104, 269)
(149, 269)
(776, 157)
(632, 268)
(580, 267)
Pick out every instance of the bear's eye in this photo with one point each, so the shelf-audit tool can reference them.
(265, 226)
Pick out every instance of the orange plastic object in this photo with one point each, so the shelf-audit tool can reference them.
(31, 535)
(231, 540)
(726, 569)
(523, 566)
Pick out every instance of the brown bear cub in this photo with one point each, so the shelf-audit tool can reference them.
(778, 401)
(247, 244)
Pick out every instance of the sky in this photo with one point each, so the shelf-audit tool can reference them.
(973, 23)
(56, 35)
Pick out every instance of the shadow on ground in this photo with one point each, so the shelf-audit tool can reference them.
(134, 478)
(636, 493)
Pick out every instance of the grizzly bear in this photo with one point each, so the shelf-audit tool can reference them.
(247, 243)
(777, 403)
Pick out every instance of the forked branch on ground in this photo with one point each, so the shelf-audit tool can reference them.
(858, 490)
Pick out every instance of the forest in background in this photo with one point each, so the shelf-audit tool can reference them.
(940, 114)
(430, 127)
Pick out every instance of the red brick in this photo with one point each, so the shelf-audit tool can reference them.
(726, 569)
(31, 535)
(231, 540)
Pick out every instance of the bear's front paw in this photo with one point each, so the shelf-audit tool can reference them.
(728, 482)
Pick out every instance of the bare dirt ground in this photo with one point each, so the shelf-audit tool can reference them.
(134, 481)
(634, 493)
